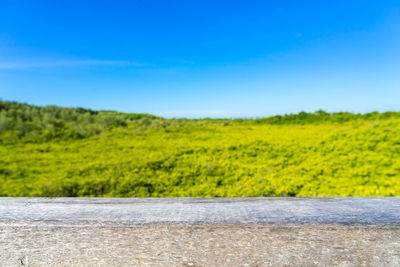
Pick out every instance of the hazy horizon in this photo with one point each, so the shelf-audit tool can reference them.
(205, 117)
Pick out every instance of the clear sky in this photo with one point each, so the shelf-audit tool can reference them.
(202, 58)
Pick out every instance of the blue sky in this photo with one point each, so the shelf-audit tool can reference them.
(202, 58)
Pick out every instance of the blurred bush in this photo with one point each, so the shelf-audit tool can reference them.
(52, 151)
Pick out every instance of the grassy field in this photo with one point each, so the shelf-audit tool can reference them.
(43, 153)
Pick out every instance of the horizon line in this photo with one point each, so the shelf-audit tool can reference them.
(203, 117)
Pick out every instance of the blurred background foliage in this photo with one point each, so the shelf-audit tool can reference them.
(53, 151)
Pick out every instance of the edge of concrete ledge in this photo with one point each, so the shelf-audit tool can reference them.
(199, 211)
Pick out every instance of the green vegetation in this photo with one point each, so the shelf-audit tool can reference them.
(52, 151)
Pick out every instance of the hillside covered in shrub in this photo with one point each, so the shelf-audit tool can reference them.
(53, 151)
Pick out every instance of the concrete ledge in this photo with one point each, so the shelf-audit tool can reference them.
(200, 232)
(138, 211)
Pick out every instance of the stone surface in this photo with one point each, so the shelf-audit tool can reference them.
(200, 232)
(136, 211)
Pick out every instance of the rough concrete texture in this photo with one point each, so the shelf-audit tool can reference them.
(134, 211)
(200, 232)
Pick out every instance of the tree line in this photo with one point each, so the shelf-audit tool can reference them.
(19, 121)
